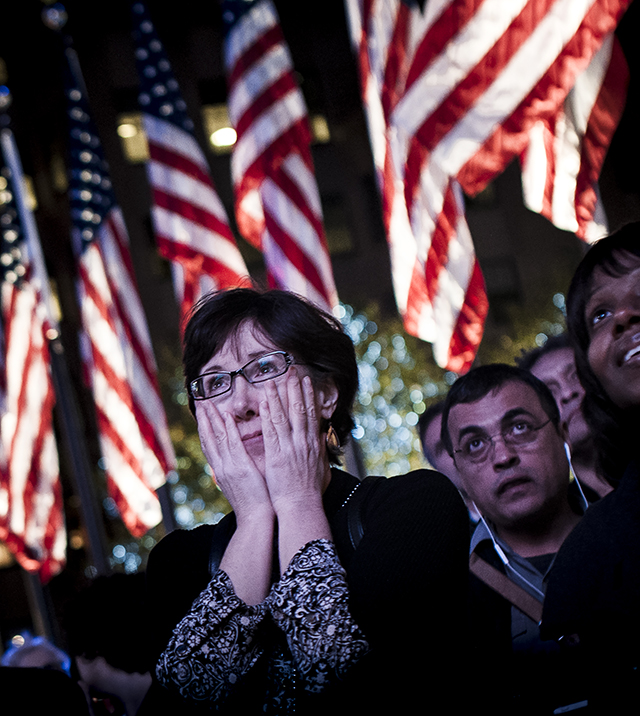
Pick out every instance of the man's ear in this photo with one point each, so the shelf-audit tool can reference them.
(327, 397)
(564, 432)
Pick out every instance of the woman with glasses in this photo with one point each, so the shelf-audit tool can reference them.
(306, 597)
(593, 597)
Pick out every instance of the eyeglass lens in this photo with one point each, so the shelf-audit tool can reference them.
(257, 370)
(477, 447)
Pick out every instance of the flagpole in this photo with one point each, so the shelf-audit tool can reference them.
(80, 464)
(65, 404)
(166, 505)
(40, 614)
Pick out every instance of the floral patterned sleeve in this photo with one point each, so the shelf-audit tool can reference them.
(310, 604)
(217, 643)
(213, 646)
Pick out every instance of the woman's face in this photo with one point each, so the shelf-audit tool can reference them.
(612, 314)
(242, 401)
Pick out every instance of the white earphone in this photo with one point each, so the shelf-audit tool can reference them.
(567, 452)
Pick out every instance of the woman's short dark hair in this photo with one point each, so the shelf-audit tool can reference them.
(602, 415)
(314, 337)
(486, 379)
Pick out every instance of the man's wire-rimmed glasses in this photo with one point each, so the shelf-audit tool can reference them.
(476, 447)
(259, 370)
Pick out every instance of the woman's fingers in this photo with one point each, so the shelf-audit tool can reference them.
(293, 446)
(276, 429)
(295, 403)
(234, 469)
(212, 432)
(309, 401)
(278, 404)
(300, 411)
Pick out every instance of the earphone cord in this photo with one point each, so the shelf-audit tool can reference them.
(575, 477)
(504, 559)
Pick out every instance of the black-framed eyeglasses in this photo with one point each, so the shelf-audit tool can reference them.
(266, 367)
(477, 448)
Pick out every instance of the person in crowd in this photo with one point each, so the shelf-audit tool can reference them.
(318, 591)
(554, 364)
(502, 428)
(429, 430)
(593, 596)
(109, 636)
(35, 679)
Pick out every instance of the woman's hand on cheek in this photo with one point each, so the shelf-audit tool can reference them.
(295, 459)
(235, 472)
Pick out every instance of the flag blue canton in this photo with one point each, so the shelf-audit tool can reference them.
(90, 190)
(159, 91)
(233, 10)
(12, 256)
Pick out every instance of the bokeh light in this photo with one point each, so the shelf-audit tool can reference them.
(397, 378)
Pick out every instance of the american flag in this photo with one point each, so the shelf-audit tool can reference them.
(564, 157)
(278, 206)
(191, 224)
(116, 348)
(452, 94)
(31, 506)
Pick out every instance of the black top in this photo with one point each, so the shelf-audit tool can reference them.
(407, 583)
(593, 595)
(534, 681)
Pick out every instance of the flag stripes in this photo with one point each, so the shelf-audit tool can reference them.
(453, 93)
(116, 348)
(443, 303)
(125, 425)
(278, 207)
(31, 514)
(562, 161)
(545, 98)
(190, 222)
(31, 504)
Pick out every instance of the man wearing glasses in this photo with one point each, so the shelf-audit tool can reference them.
(502, 427)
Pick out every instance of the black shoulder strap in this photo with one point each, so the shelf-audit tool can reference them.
(355, 508)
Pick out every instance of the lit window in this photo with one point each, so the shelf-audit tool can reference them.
(133, 138)
(217, 125)
(223, 137)
(320, 128)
